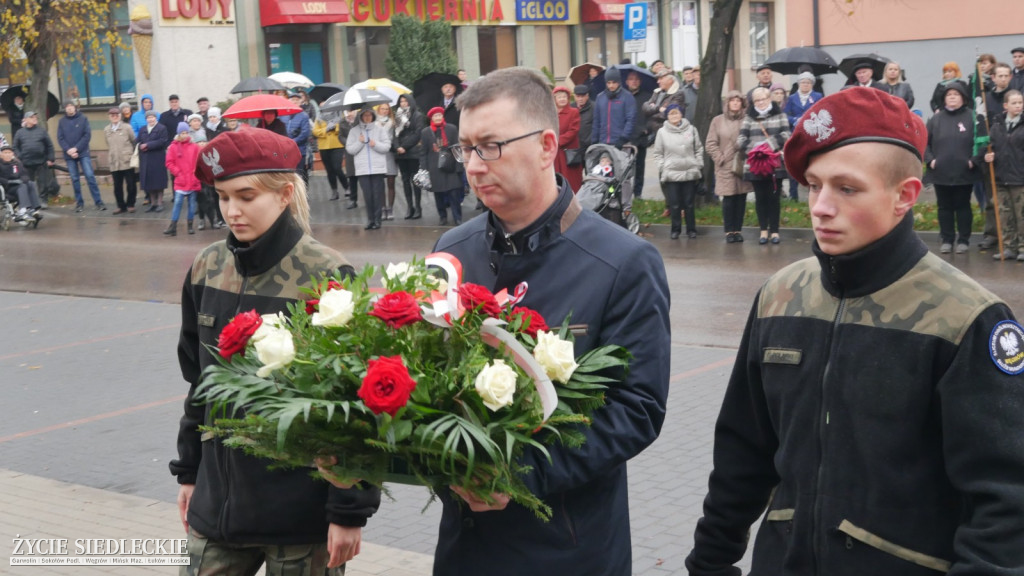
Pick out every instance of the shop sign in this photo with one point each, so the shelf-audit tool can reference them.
(541, 10)
(379, 12)
(196, 13)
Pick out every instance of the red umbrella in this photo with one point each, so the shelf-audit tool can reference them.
(254, 106)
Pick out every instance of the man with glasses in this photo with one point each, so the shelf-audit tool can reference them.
(574, 265)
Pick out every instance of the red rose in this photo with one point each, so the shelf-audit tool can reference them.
(397, 309)
(475, 297)
(387, 385)
(236, 334)
(533, 322)
(311, 305)
(333, 285)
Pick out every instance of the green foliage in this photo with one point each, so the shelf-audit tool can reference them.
(417, 48)
(549, 75)
(443, 434)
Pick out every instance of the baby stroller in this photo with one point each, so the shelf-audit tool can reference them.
(604, 190)
(9, 213)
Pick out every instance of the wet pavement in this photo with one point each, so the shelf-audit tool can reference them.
(92, 392)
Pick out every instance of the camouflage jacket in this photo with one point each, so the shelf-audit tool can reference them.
(876, 409)
(237, 499)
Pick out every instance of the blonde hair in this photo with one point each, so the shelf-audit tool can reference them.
(275, 182)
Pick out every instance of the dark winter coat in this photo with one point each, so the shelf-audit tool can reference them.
(440, 181)
(795, 108)
(74, 132)
(152, 172)
(1009, 149)
(900, 90)
(33, 146)
(586, 123)
(639, 137)
(951, 146)
(212, 133)
(613, 283)
(237, 499)
(652, 109)
(11, 173)
(169, 119)
(410, 134)
(299, 130)
(614, 118)
(866, 413)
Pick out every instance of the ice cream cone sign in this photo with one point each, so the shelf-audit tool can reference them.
(141, 28)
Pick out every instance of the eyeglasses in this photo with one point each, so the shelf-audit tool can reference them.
(488, 150)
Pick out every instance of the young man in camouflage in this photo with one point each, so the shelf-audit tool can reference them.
(876, 407)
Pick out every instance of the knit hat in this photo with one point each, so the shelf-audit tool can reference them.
(849, 117)
(673, 106)
(182, 127)
(613, 75)
(435, 110)
(244, 152)
(213, 111)
(561, 89)
(152, 113)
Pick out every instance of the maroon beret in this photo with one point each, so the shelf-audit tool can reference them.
(247, 151)
(848, 117)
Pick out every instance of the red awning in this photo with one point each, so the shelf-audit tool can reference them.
(603, 10)
(276, 12)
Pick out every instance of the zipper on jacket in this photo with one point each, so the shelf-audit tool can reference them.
(222, 522)
(823, 421)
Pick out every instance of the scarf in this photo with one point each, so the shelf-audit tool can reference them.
(438, 128)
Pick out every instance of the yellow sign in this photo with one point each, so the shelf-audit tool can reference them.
(457, 12)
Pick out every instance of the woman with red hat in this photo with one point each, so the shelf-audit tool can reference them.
(445, 181)
(236, 510)
(568, 138)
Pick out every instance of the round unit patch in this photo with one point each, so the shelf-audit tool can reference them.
(1006, 346)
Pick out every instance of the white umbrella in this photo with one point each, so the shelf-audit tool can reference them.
(385, 86)
(292, 80)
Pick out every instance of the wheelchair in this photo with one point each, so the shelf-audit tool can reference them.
(9, 212)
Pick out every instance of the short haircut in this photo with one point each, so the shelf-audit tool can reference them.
(1003, 65)
(759, 92)
(1011, 93)
(951, 67)
(898, 164)
(527, 89)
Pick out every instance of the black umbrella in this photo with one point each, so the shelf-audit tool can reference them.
(257, 84)
(322, 92)
(7, 99)
(647, 81)
(789, 61)
(353, 98)
(877, 62)
(427, 90)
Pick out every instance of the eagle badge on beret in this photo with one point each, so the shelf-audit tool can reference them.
(212, 159)
(819, 124)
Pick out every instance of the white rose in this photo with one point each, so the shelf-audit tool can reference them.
(336, 309)
(275, 350)
(555, 355)
(397, 272)
(270, 323)
(496, 384)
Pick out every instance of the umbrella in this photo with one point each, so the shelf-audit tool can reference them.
(353, 98)
(877, 64)
(7, 99)
(581, 74)
(647, 81)
(292, 80)
(257, 84)
(385, 86)
(322, 92)
(789, 61)
(427, 90)
(254, 106)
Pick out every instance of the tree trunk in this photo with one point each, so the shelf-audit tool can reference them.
(712, 73)
(41, 58)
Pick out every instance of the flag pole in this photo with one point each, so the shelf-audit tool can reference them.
(980, 80)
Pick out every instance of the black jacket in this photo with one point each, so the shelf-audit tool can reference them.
(1009, 149)
(586, 123)
(33, 146)
(866, 413)
(11, 172)
(237, 499)
(410, 136)
(613, 284)
(74, 132)
(169, 119)
(951, 146)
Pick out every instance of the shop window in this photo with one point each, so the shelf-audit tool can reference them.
(368, 49)
(114, 80)
(603, 42)
(298, 48)
(685, 36)
(554, 50)
(497, 47)
(760, 32)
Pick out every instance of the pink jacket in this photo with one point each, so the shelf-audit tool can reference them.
(181, 162)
